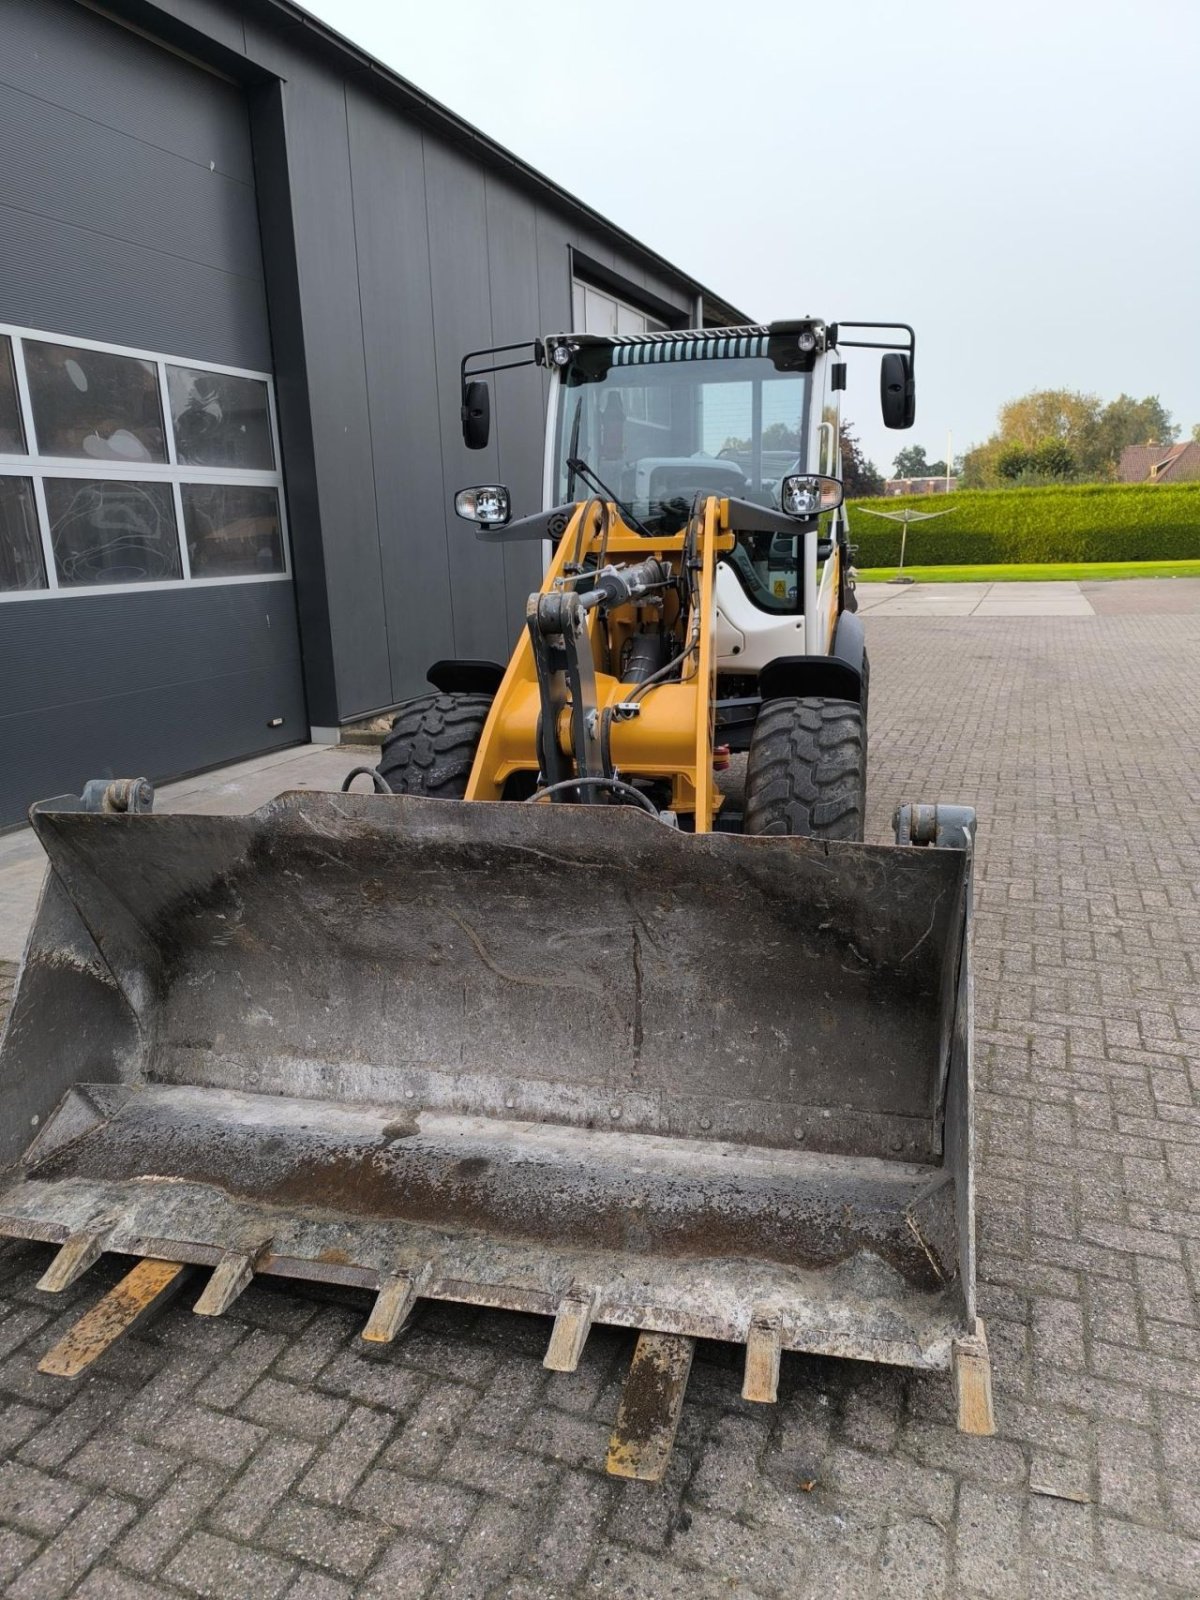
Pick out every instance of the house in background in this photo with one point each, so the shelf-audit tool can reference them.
(941, 485)
(242, 261)
(1160, 463)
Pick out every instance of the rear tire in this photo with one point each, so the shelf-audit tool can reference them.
(431, 748)
(806, 773)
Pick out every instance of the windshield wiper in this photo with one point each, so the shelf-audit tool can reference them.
(580, 469)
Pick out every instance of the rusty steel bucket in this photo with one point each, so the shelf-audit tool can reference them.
(558, 1059)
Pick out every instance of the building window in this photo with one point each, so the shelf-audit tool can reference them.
(112, 530)
(220, 420)
(123, 469)
(90, 404)
(232, 532)
(12, 435)
(594, 311)
(22, 565)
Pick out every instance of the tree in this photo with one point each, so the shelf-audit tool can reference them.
(911, 463)
(1196, 432)
(778, 436)
(1060, 434)
(860, 477)
(1125, 421)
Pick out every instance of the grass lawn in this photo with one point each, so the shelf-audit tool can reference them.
(1044, 572)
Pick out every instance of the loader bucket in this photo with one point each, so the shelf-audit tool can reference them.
(558, 1059)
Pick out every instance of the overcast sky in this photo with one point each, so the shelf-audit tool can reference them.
(1019, 181)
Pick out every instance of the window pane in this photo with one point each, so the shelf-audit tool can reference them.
(629, 320)
(111, 531)
(21, 564)
(220, 420)
(232, 533)
(12, 435)
(600, 313)
(89, 403)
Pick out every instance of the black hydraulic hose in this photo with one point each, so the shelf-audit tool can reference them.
(613, 784)
(663, 673)
(580, 469)
(373, 773)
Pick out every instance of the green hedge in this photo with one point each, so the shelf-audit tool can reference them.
(1082, 522)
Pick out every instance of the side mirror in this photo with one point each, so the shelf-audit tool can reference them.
(806, 494)
(897, 390)
(476, 415)
(488, 505)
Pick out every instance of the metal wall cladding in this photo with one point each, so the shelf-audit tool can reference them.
(129, 216)
(128, 202)
(155, 682)
(410, 251)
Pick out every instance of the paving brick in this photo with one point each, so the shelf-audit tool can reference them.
(1063, 1528)
(241, 1369)
(560, 1553)
(269, 1476)
(88, 1410)
(294, 1410)
(438, 1510)
(319, 1586)
(345, 1543)
(490, 1551)
(989, 1550)
(17, 1422)
(767, 1559)
(617, 1570)
(213, 1436)
(495, 1469)
(63, 1562)
(379, 1380)
(406, 1570)
(426, 1433)
(115, 1461)
(32, 1501)
(107, 1583)
(914, 1563)
(207, 1565)
(17, 1550)
(339, 1467)
(162, 1528)
(1153, 1553)
(511, 1395)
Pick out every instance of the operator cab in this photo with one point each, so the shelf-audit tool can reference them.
(657, 422)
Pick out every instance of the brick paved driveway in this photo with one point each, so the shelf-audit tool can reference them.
(270, 1454)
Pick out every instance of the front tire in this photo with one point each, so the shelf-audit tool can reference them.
(431, 748)
(806, 773)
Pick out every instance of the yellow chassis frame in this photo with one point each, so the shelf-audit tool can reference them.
(672, 736)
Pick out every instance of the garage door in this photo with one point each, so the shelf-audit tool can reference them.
(147, 621)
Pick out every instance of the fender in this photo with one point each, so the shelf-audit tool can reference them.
(837, 676)
(465, 677)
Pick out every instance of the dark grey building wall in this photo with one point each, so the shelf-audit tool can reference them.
(406, 250)
(119, 685)
(128, 215)
(127, 205)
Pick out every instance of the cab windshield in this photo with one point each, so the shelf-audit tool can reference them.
(659, 432)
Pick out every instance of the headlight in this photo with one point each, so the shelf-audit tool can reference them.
(806, 340)
(487, 504)
(562, 354)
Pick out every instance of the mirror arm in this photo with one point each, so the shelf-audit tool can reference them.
(834, 338)
(533, 360)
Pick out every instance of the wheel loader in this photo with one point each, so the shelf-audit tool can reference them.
(599, 1007)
